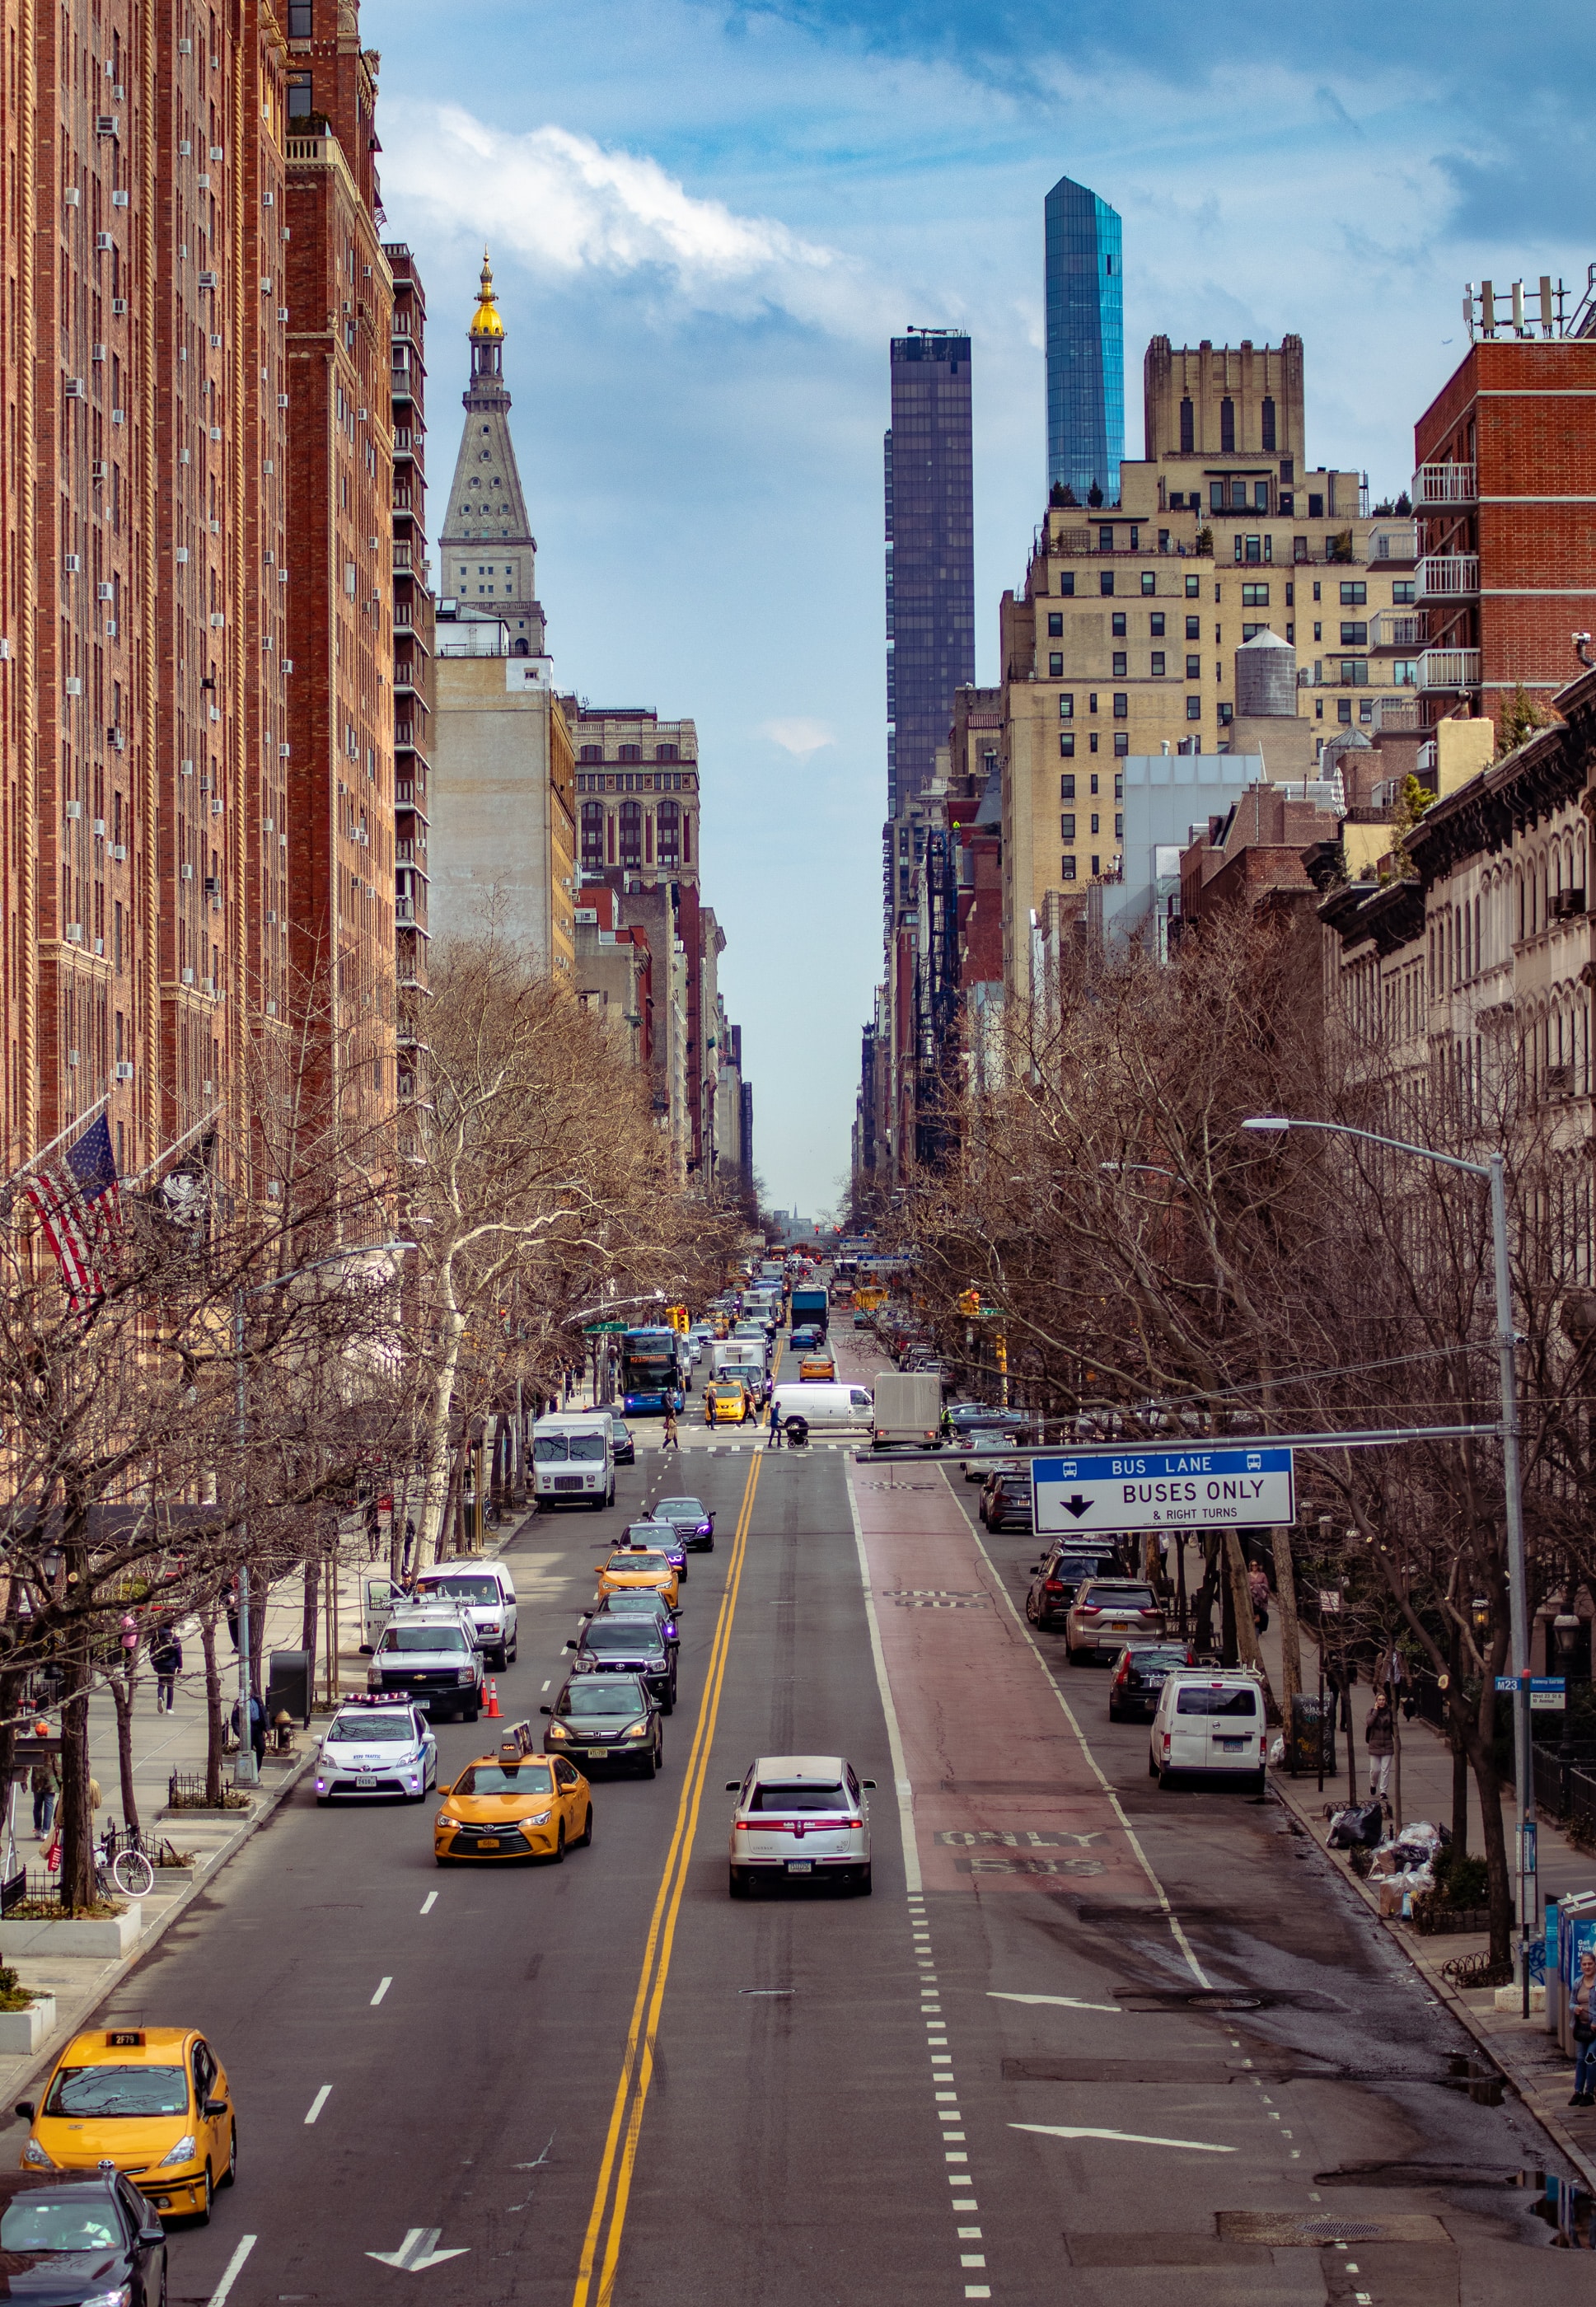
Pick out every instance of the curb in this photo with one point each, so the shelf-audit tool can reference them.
(1581, 2157)
(45, 2056)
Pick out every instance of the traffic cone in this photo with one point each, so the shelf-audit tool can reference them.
(493, 1704)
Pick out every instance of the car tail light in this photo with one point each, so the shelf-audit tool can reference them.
(1090, 1610)
(1053, 1585)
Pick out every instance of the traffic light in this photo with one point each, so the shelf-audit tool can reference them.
(969, 1304)
(676, 1315)
(1000, 1349)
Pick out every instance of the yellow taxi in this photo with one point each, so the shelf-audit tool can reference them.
(726, 1403)
(722, 1321)
(152, 2100)
(515, 1804)
(638, 1565)
(819, 1367)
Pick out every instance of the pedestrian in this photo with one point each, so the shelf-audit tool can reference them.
(373, 1530)
(230, 1607)
(409, 1543)
(672, 1440)
(1379, 1735)
(1582, 2011)
(775, 1441)
(165, 1655)
(45, 1784)
(1257, 1586)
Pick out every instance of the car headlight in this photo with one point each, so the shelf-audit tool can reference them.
(123, 2298)
(465, 1677)
(557, 1731)
(542, 1819)
(35, 2158)
(639, 1729)
(184, 2151)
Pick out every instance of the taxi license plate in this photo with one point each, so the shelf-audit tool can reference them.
(1232, 1745)
(365, 1778)
(801, 1866)
(487, 1842)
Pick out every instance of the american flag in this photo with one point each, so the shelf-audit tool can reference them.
(80, 1206)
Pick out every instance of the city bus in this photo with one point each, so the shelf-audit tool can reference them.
(652, 1379)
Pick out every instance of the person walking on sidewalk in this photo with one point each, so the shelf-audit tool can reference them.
(1379, 1735)
(1257, 1588)
(1582, 2011)
(45, 1784)
(165, 1655)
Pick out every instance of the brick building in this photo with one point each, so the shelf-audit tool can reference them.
(1505, 494)
(340, 900)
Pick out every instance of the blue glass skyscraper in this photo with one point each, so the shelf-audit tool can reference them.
(1085, 342)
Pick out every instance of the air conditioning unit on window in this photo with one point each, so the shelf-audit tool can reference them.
(74, 389)
(73, 563)
(102, 240)
(207, 280)
(98, 470)
(74, 809)
(103, 592)
(108, 123)
(121, 200)
(118, 308)
(125, 1071)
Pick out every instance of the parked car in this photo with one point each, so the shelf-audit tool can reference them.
(1210, 1723)
(626, 1449)
(987, 1446)
(1140, 1673)
(1056, 1579)
(1005, 1501)
(1107, 1613)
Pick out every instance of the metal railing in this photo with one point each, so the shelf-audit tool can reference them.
(1565, 1786)
(1445, 484)
(1396, 629)
(1396, 713)
(1448, 576)
(1400, 542)
(1449, 669)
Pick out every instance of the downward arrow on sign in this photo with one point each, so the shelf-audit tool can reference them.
(1077, 1506)
(418, 2251)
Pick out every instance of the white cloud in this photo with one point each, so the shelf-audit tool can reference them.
(567, 206)
(797, 736)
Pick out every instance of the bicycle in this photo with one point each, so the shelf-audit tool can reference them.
(126, 1870)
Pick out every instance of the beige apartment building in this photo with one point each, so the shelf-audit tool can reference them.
(1123, 640)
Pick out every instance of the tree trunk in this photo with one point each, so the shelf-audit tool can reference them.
(213, 1707)
(76, 1820)
(259, 1594)
(121, 1698)
(1249, 1651)
(1460, 1756)
(1291, 1638)
(307, 1614)
(436, 1470)
(1475, 1739)
(1203, 1630)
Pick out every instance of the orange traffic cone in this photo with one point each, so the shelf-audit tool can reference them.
(493, 1704)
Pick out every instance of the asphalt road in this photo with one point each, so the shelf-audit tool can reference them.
(605, 2081)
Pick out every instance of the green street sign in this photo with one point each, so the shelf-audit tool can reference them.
(605, 1329)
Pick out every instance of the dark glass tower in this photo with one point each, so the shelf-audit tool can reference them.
(1085, 342)
(930, 553)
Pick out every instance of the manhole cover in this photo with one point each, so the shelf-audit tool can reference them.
(1284, 2228)
(1219, 1998)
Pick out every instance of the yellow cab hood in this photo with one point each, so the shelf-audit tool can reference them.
(133, 2142)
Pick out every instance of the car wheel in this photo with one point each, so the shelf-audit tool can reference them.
(322, 1801)
(649, 1764)
(1151, 1768)
(230, 2174)
(514, 1652)
(1071, 1652)
(738, 1882)
(1117, 1713)
(1163, 1778)
(668, 1704)
(501, 1660)
(585, 1837)
(560, 1845)
(862, 1881)
(438, 1860)
(202, 2216)
(1031, 1610)
(1260, 1785)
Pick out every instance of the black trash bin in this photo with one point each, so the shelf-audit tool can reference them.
(289, 1685)
(1313, 1719)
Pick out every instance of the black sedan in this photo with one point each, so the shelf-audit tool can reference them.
(606, 1718)
(659, 1537)
(67, 2240)
(691, 1520)
(1055, 1579)
(631, 1644)
(625, 1448)
(1139, 1675)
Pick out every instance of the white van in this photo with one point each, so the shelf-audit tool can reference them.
(573, 1459)
(482, 1593)
(825, 1405)
(1210, 1723)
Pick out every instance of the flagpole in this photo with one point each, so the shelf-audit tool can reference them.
(176, 1146)
(35, 1159)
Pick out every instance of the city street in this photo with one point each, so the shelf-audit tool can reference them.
(1018, 2061)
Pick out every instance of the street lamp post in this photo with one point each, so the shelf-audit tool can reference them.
(1494, 1172)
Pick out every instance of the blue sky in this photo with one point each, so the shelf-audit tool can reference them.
(708, 220)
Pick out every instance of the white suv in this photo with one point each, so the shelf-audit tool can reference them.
(1210, 1722)
(800, 1815)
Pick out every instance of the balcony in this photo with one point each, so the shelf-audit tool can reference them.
(401, 384)
(412, 854)
(1396, 629)
(1439, 485)
(1448, 576)
(1399, 712)
(1449, 668)
(1397, 541)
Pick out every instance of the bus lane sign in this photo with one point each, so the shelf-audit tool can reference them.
(1195, 1488)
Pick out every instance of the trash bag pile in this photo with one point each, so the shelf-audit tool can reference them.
(1398, 1866)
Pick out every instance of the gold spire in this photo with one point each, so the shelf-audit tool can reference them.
(486, 321)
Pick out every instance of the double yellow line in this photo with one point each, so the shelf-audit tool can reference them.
(601, 2245)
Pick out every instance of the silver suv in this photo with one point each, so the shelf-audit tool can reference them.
(429, 1656)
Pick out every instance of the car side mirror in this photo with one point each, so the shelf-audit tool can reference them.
(546, 1709)
(1036, 1570)
(25, 2108)
(150, 2237)
(213, 2108)
(570, 1646)
(732, 1787)
(870, 1783)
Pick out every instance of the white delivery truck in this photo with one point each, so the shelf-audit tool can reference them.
(573, 1459)
(741, 1357)
(908, 1409)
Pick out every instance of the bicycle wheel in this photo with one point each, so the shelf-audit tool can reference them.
(133, 1874)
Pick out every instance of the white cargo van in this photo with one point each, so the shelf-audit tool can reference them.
(573, 1459)
(824, 1405)
(1210, 1723)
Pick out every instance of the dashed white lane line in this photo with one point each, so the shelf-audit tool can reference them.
(546, 1685)
(383, 1987)
(319, 2102)
(230, 2273)
(429, 1902)
(1128, 2138)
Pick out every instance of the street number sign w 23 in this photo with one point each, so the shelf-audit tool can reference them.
(1161, 1489)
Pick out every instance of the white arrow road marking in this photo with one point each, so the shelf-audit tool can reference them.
(383, 1987)
(418, 2251)
(1128, 2138)
(319, 2102)
(1065, 2002)
(219, 2297)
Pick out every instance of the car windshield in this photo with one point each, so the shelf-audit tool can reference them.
(771, 1794)
(550, 1449)
(679, 1510)
(118, 2090)
(1121, 1597)
(421, 1638)
(644, 1563)
(1148, 1661)
(635, 1602)
(84, 2220)
(372, 1730)
(530, 1778)
(607, 1634)
(601, 1697)
(651, 1533)
(1216, 1702)
(621, 1431)
(587, 1449)
(457, 1589)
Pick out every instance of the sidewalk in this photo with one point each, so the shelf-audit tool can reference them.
(1523, 2050)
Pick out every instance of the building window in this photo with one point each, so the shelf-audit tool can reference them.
(1067, 826)
(1251, 632)
(631, 814)
(665, 753)
(1216, 496)
(1354, 633)
(1343, 710)
(1116, 624)
(1260, 496)
(1354, 672)
(1055, 666)
(1091, 701)
(1188, 426)
(1066, 705)
(1119, 664)
(1194, 668)
(1194, 586)
(1239, 496)
(1067, 868)
(1096, 827)
(1066, 584)
(1267, 414)
(1194, 708)
(1227, 427)
(1066, 743)
(1316, 507)
(1288, 503)
(1404, 593)
(1105, 540)
(1121, 741)
(1404, 673)
(1255, 597)
(300, 102)
(301, 20)
(1121, 705)
(1093, 742)
(1066, 787)
(591, 753)
(1155, 624)
(1055, 624)
(629, 752)
(1157, 664)
(1354, 596)
(669, 826)
(1366, 708)
(1118, 785)
(1118, 825)
(1105, 582)
(1149, 581)
(592, 835)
